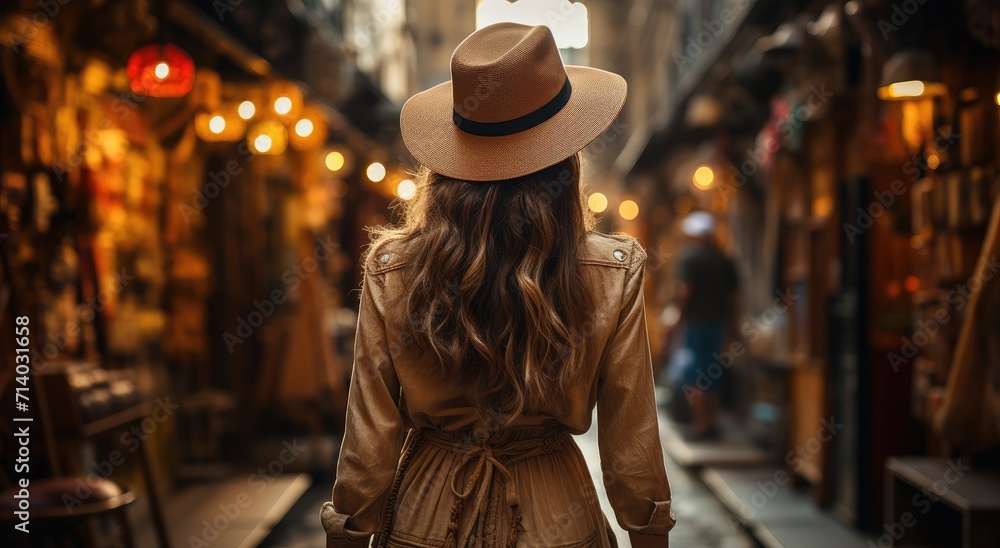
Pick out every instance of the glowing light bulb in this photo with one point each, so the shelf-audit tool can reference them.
(282, 105)
(597, 202)
(217, 124)
(304, 127)
(334, 161)
(703, 177)
(262, 143)
(628, 210)
(406, 189)
(246, 110)
(161, 70)
(911, 88)
(375, 172)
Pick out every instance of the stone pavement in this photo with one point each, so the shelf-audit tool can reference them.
(702, 521)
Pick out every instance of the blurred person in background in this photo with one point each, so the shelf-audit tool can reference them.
(493, 321)
(708, 301)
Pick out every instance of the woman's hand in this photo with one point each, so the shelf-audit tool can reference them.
(639, 540)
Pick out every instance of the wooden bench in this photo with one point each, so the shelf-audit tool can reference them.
(934, 502)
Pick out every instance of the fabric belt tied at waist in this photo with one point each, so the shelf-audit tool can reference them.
(491, 461)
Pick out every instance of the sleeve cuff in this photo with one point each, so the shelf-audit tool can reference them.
(661, 521)
(337, 533)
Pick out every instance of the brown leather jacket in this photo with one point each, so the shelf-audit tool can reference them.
(526, 486)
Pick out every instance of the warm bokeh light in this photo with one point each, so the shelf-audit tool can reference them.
(703, 177)
(406, 189)
(375, 172)
(162, 70)
(911, 89)
(893, 289)
(282, 105)
(334, 161)
(912, 284)
(217, 124)
(628, 210)
(284, 98)
(262, 143)
(597, 202)
(996, 98)
(246, 110)
(268, 137)
(307, 127)
(304, 127)
(822, 206)
(933, 161)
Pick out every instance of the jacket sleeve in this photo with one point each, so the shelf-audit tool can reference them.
(373, 433)
(628, 432)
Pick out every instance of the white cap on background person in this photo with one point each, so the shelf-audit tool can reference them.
(698, 224)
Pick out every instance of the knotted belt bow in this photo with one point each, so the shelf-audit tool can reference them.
(491, 461)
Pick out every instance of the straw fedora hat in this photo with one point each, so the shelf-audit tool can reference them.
(511, 107)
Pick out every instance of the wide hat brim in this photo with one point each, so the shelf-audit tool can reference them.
(430, 134)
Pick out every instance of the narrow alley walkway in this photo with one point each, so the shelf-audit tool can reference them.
(702, 521)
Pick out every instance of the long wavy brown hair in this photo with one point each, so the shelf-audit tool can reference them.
(493, 285)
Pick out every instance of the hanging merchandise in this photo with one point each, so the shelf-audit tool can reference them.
(45, 202)
(35, 38)
(31, 62)
(160, 71)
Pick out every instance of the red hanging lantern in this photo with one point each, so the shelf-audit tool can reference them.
(160, 71)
